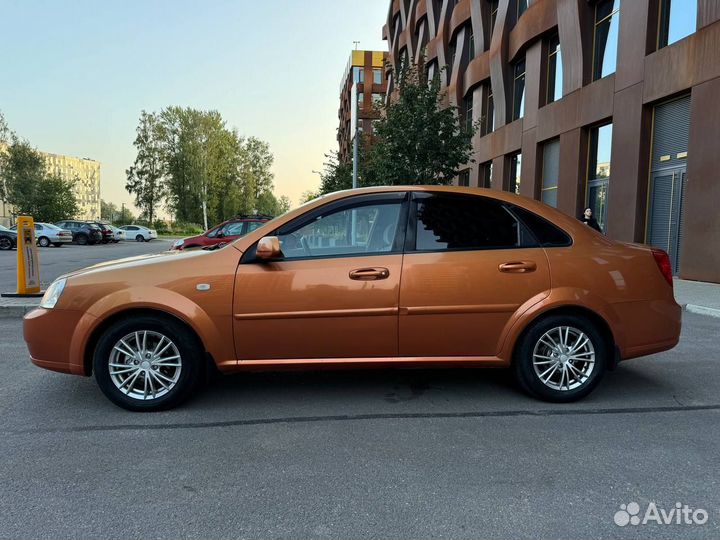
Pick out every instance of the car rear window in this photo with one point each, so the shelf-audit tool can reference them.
(467, 222)
(547, 234)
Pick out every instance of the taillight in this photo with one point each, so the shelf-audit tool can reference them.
(663, 262)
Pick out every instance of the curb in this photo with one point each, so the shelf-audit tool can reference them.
(702, 310)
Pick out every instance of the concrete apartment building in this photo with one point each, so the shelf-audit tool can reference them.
(610, 104)
(85, 173)
(366, 69)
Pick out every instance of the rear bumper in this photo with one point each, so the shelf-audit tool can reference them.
(649, 327)
(49, 335)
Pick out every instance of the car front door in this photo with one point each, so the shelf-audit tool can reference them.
(469, 265)
(334, 293)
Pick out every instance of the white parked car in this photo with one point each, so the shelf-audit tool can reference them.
(118, 234)
(139, 233)
(48, 234)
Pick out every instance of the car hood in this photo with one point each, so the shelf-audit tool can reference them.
(137, 262)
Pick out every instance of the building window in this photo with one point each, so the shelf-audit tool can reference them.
(515, 168)
(550, 172)
(493, 17)
(600, 141)
(359, 74)
(377, 76)
(467, 112)
(452, 51)
(518, 103)
(521, 5)
(678, 19)
(607, 23)
(377, 99)
(464, 178)
(470, 36)
(432, 71)
(488, 111)
(486, 173)
(554, 70)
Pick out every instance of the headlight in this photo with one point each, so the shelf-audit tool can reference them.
(178, 243)
(52, 295)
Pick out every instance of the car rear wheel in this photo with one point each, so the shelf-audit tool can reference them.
(139, 238)
(44, 241)
(148, 363)
(561, 358)
(5, 243)
(82, 239)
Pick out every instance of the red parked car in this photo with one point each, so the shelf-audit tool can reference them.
(227, 231)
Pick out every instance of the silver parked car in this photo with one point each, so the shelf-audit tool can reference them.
(47, 234)
(118, 234)
(139, 233)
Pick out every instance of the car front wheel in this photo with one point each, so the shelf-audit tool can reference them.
(82, 239)
(561, 358)
(5, 243)
(148, 363)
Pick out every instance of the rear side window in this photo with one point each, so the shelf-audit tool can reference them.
(467, 222)
(547, 234)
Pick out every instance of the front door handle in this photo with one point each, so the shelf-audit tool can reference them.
(518, 267)
(369, 274)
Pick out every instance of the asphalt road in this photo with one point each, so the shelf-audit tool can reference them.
(55, 262)
(398, 454)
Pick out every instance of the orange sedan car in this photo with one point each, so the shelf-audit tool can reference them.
(394, 276)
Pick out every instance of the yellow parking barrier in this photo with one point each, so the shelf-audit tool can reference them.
(28, 265)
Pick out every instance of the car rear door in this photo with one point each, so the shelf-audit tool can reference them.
(335, 292)
(469, 265)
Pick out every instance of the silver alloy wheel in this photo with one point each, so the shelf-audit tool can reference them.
(564, 358)
(145, 365)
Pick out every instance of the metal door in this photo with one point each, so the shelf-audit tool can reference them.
(667, 194)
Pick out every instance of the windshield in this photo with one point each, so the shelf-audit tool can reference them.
(3, 228)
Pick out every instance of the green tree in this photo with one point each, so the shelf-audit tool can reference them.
(418, 140)
(335, 175)
(108, 211)
(30, 188)
(145, 176)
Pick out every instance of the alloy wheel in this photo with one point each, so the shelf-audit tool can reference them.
(145, 365)
(564, 358)
(5, 243)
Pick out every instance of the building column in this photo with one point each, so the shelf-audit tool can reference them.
(629, 162)
(699, 254)
(571, 172)
(530, 162)
(499, 173)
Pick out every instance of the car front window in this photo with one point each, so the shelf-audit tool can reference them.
(357, 230)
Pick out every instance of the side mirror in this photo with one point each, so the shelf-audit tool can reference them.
(268, 247)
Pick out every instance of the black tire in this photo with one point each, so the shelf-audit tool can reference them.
(525, 369)
(5, 243)
(82, 239)
(191, 358)
(57, 244)
(44, 241)
(139, 238)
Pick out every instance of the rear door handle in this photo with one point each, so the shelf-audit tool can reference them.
(518, 267)
(369, 274)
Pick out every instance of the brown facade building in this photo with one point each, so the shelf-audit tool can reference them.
(612, 104)
(365, 71)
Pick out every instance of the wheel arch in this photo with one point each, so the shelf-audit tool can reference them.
(97, 332)
(571, 310)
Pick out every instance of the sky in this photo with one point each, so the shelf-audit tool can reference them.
(74, 75)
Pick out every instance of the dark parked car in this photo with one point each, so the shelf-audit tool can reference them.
(108, 235)
(227, 231)
(8, 239)
(83, 233)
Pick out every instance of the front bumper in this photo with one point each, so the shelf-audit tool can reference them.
(49, 334)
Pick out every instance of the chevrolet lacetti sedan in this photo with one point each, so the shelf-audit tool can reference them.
(395, 276)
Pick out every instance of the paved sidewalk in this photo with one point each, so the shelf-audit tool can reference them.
(698, 296)
(17, 307)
